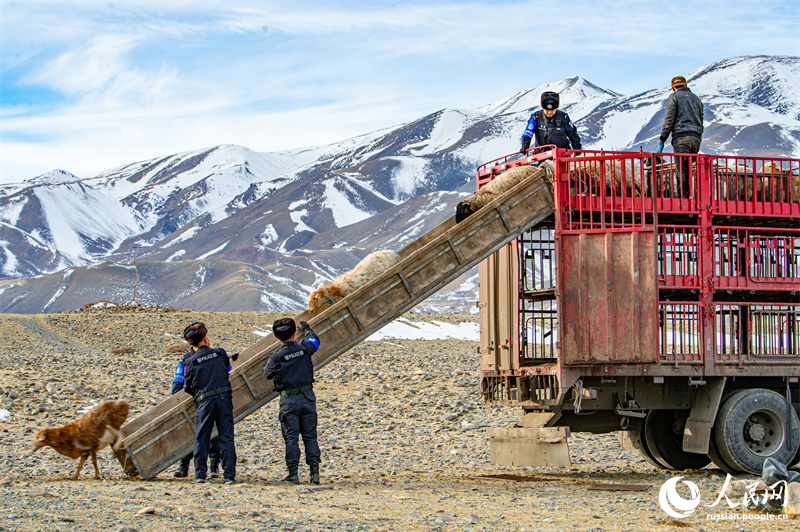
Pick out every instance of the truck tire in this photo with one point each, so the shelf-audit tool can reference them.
(716, 459)
(663, 432)
(641, 445)
(751, 427)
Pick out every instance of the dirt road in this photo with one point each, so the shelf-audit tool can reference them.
(401, 427)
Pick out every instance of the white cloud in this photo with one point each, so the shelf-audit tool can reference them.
(93, 85)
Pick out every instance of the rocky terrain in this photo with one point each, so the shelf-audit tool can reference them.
(401, 426)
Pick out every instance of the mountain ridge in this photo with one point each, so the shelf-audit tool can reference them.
(293, 213)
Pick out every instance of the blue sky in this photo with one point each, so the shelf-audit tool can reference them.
(88, 86)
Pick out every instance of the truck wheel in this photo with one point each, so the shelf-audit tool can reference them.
(663, 432)
(751, 427)
(716, 459)
(641, 445)
(796, 458)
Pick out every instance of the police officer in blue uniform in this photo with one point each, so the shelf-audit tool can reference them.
(292, 372)
(206, 374)
(550, 126)
(213, 452)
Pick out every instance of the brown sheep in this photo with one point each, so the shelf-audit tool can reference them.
(586, 176)
(371, 267)
(83, 437)
(781, 184)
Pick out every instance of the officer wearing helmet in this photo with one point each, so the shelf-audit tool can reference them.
(550, 126)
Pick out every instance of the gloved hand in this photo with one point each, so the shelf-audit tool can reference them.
(304, 326)
(660, 147)
(523, 151)
(526, 143)
(234, 356)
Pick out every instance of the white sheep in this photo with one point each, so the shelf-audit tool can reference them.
(496, 188)
(369, 268)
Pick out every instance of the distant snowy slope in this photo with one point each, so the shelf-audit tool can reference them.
(766, 81)
(269, 226)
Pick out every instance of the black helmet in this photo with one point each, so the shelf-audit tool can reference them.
(550, 100)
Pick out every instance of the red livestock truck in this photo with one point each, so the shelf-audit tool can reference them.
(635, 309)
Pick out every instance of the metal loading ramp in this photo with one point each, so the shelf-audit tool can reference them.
(162, 435)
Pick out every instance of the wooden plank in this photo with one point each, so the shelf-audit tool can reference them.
(159, 437)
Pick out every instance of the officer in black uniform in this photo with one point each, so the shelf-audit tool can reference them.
(213, 451)
(207, 381)
(550, 126)
(291, 369)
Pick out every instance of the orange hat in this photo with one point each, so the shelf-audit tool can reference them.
(678, 81)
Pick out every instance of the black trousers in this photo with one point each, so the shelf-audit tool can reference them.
(686, 144)
(298, 416)
(213, 452)
(214, 411)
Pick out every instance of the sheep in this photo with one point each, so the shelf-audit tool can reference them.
(732, 182)
(666, 177)
(780, 184)
(369, 268)
(496, 188)
(586, 176)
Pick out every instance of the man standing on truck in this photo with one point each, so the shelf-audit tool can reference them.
(684, 120)
(292, 372)
(550, 126)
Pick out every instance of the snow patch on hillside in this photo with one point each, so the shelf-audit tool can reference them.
(341, 206)
(405, 329)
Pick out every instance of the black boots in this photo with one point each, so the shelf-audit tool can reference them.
(183, 468)
(292, 477)
(213, 470)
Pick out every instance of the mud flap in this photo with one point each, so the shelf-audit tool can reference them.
(697, 432)
(530, 445)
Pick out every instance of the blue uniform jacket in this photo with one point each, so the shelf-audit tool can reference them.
(180, 378)
(206, 370)
(562, 138)
(290, 365)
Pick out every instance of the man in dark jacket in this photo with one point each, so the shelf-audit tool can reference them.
(550, 126)
(684, 120)
(213, 452)
(292, 372)
(206, 371)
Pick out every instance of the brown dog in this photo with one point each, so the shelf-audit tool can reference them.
(97, 428)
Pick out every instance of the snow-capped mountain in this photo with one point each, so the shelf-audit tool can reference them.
(265, 228)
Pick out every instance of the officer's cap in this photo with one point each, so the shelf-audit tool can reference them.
(284, 328)
(550, 100)
(195, 333)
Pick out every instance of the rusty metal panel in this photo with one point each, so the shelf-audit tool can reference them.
(486, 298)
(499, 298)
(608, 298)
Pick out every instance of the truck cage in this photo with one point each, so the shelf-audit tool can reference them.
(705, 273)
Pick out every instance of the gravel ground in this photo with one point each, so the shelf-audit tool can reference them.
(401, 426)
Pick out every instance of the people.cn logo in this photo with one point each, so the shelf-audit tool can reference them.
(673, 504)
